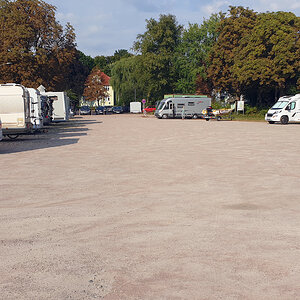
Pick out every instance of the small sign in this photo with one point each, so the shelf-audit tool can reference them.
(240, 106)
(144, 101)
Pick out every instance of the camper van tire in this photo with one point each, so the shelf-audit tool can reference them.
(284, 120)
(164, 116)
(219, 118)
(271, 122)
(195, 116)
(13, 136)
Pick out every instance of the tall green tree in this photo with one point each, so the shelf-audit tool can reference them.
(157, 46)
(128, 80)
(192, 55)
(238, 24)
(105, 63)
(268, 58)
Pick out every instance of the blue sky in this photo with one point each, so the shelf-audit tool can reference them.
(103, 26)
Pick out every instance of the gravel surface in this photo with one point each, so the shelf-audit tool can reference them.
(128, 207)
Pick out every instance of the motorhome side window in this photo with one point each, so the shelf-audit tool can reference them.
(191, 103)
(180, 105)
(291, 106)
(167, 105)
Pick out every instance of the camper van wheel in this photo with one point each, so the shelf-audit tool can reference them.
(164, 116)
(207, 119)
(219, 118)
(195, 116)
(271, 122)
(12, 136)
(284, 120)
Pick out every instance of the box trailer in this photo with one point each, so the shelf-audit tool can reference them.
(15, 109)
(61, 105)
(35, 109)
(182, 107)
(135, 107)
(285, 110)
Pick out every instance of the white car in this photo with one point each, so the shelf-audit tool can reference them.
(1, 136)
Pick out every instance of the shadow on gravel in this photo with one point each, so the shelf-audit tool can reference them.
(54, 135)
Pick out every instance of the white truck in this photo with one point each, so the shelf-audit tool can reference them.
(15, 110)
(61, 106)
(135, 107)
(35, 109)
(285, 110)
(182, 106)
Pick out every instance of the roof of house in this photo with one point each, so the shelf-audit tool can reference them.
(105, 79)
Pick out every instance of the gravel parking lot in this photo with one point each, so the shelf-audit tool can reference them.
(128, 207)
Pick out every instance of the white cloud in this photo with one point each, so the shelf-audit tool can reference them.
(215, 7)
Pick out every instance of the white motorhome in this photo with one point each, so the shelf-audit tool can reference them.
(15, 109)
(189, 106)
(285, 110)
(135, 107)
(61, 106)
(35, 109)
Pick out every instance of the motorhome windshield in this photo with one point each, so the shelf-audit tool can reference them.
(279, 105)
(161, 104)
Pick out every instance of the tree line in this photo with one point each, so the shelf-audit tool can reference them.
(240, 52)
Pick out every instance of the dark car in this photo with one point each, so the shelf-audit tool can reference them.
(126, 109)
(108, 109)
(99, 110)
(85, 110)
(117, 109)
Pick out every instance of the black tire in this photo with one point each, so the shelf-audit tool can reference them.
(219, 118)
(164, 117)
(13, 136)
(284, 120)
(207, 119)
(195, 116)
(271, 122)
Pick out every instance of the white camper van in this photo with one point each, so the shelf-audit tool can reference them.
(135, 107)
(285, 110)
(61, 105)
(189, 106)
(14, 109)
(35, 109)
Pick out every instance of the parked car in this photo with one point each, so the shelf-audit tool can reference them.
(108, 109)
(85, 110)
(99, 110)
(126, 109)
(117, 109)
(150, 109)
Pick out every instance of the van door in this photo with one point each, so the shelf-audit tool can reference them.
(290, 110)
(172, 110)
(296, 112)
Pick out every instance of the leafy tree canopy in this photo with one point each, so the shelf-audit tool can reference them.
(39, 49)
